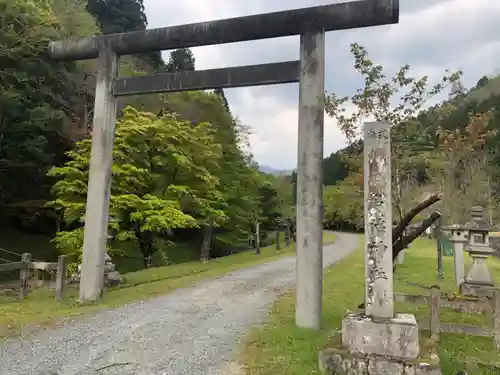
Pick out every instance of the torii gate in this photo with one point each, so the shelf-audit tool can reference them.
(311, 24)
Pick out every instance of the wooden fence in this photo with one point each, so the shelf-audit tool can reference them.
(436, 301)
(25, 265)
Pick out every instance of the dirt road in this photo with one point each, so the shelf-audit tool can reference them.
(192, 331)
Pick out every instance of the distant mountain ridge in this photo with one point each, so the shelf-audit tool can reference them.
(277, 172)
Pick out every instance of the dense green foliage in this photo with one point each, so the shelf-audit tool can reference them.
(180, 172)
(42, 107)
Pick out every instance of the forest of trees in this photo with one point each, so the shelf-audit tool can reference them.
(449, 149)
(180, 172)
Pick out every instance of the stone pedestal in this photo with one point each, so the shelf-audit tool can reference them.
(396, 337)
(340, 362)
(478, 282)
(477, 290)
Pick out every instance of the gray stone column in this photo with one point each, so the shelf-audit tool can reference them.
(377, 330)
(459, 262)
(310, 181)
(459, 237)
(101, 161)
(401, 257)
(378, 220)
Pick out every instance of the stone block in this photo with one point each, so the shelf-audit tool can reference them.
(109, 267)
(396, 337)
(113, 278)
(338, 361)
(477, 290)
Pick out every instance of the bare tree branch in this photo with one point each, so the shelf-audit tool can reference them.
(399, 229)
(404, 241)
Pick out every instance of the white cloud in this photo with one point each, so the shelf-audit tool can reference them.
(432, 35)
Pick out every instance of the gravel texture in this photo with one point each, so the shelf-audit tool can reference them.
(192, 331)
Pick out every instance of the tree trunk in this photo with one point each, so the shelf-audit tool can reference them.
(439, 251)
(257, 237)
(287, 235)
(207, 242)
(146, 245)
(278, 244)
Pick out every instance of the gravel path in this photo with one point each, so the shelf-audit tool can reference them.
(191, 331)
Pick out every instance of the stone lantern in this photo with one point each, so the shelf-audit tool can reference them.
(111, 275)
(478, 281)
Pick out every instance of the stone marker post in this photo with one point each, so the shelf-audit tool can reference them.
(378, 220)
(378, 331)
(459, 237)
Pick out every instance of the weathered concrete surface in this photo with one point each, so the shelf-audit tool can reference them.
(337, 16)
(396, 337)
(193, 331)
(310, 180)
(378, 220)
(241, 76)
(101, 163)
(339, 362)
(477, 290)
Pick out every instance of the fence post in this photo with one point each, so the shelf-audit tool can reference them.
(60, 276)
(24, 275)
(434, 307)
(496, 319)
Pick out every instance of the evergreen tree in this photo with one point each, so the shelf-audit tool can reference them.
(120, 16)
(219, 91)
(181, 60)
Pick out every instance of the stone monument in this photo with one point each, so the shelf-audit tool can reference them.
(111, 275)
(377, 341)
(478, 282)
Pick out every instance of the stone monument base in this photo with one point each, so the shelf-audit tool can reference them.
(396, 337)
(336, 359)
(477, 290)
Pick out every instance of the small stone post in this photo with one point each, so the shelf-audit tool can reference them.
(287, 235)
(60, 277)
(278, 244)
(435, 312)
(378, 331)
(101, 162)
(496, 318)
(24, 275)
(439, 249)
(401, 257)
(458, 237)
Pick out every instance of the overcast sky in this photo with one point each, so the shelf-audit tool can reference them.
(432, 35)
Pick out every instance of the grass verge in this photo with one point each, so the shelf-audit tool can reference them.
(40, 307)
(281, 348)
